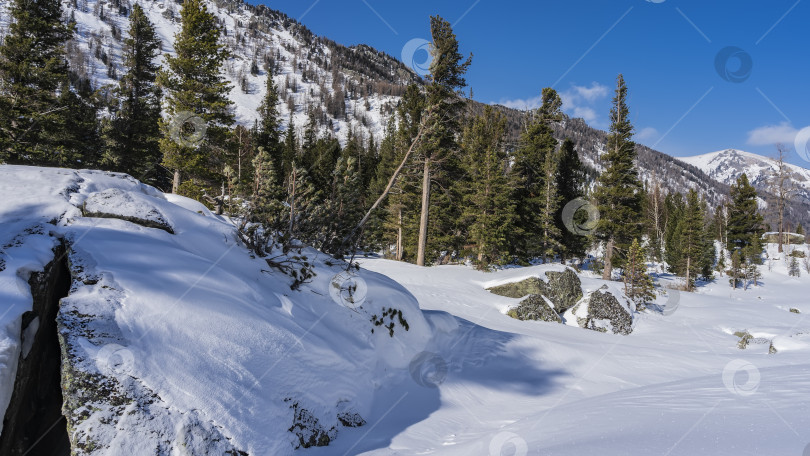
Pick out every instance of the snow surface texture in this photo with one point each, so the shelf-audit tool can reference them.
(177, 339)
(194, 347)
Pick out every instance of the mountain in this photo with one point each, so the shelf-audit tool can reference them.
(340, 87)
(727, 165)
(343, 87)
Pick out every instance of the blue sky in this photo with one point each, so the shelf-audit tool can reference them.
(687, 96)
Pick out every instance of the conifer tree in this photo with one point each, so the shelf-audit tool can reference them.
(571, 185)
(736, 274)
(794, 270)
(619, 192)
(638, 285)
(488, 209)
(268, 134)
(32, 69)
(446, 79)
(289, 155)
(343, 208)
(197, 103)
(744, 220)
(692, 239)
(267, 207)
(535, 161)
(132, 135)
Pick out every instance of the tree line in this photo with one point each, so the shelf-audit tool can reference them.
(443, 184)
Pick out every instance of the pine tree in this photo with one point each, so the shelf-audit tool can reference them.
(619, 193)
(444, 102)
(655, 220)
(570, 184)
(266, 206)
(794, 270)
(268, 134)
(799, 229)
(692, 239)
(744, 220)
(638, 285)
(488, 210)
(32, 70)
(343, 208)
(197, 103)
(534, 162)
(132, 135)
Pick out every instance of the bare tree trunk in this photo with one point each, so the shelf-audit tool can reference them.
(688, 266)
(423, 221)
(292, 200)
(607, 272)
(176, 181)
(399, 234)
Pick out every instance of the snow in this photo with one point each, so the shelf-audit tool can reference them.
(222, 341)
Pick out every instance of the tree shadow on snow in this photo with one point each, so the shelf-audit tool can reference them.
(466, 355)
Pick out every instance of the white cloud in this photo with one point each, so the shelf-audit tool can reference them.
(577, 101)
(771, 134)
(523, 104)
(647, 134)
(592, 93)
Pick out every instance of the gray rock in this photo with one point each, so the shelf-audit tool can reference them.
(602, 305)
(535, 308)
(563, 289)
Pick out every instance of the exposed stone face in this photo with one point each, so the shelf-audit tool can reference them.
(130, 206)
(563, 289)
(535, 308)
(602, 305)
(532, 285)
(33, 423)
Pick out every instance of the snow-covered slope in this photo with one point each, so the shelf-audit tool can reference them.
(727, 165)
(678, 385)
(345, 87)
(176, 341)
(204, 345)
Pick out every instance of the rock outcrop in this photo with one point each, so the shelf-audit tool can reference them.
(546, 300)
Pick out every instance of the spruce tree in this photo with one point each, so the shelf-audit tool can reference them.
(535, 162)
(132, 135)
(619, 192)
(488, 209)
(268, 134)
(638, 285)
(571, 181)
(444, 103)
(744, 220)
(32, 69)
(692, 239)
(197, 103)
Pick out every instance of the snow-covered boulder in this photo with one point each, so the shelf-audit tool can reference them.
(603, 311)
(186, 343)
(133, 207)
(545, 300)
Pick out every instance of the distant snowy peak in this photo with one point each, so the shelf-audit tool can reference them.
(727, 165)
